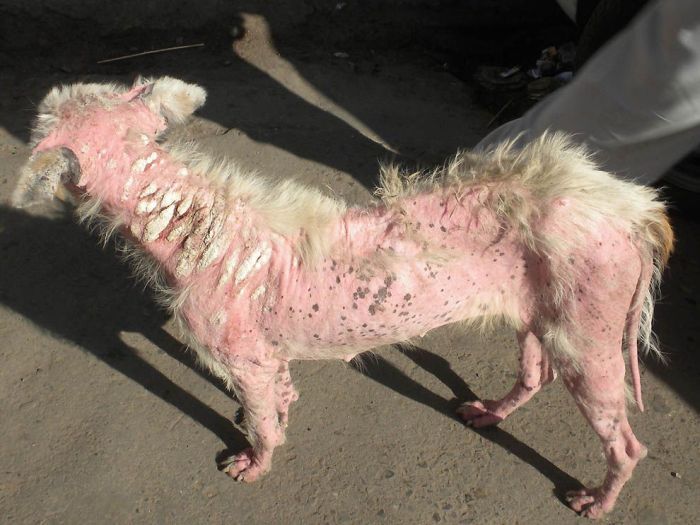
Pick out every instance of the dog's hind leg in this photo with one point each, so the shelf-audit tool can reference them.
(599, 390)
(535, 371)
(285, 393)
(256, 386)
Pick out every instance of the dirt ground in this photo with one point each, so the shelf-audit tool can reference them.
(106, 419)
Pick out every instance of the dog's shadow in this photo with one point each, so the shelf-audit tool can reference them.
(54, 273)
(384, 372)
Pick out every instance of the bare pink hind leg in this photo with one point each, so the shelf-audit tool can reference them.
(257, 390)
(535, 371)
(285, 392)
(599, 390)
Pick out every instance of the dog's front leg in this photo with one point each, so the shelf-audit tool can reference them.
(257, 388)
(535, 371)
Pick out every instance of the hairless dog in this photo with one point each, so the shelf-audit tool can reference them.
(259, 273)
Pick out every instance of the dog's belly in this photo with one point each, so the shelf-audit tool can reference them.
(343, 310)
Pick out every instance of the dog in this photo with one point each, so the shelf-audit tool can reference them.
(259, 273)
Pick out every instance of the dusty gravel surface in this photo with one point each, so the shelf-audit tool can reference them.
(105, 418)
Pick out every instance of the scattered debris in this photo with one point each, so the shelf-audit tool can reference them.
(341, 54)
(510, 91)
(676, 475)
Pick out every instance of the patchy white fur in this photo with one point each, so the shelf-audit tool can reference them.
(289, 209)
(49, 110)
(520, 185)
(173, 98)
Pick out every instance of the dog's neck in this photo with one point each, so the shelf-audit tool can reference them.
(182, 220)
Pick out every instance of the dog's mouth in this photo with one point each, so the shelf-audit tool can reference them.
(45, 176)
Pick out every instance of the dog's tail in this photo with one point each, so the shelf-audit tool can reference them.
(657, 245)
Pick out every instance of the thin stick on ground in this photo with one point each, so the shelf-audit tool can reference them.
(152, 52)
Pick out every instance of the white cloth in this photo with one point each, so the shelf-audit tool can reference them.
(635, 103)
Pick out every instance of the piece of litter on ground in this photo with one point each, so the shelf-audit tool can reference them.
(676, 475)
(509, 72)
(341, 54)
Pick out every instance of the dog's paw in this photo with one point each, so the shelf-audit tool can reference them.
(243, 466)
(590, 503)
(480, 414)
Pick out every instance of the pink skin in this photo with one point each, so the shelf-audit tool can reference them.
(535, 372)
(254, 306)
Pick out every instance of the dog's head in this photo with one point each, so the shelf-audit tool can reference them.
(150, 105)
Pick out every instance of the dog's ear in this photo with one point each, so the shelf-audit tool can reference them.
(43, 176)
(172, 98)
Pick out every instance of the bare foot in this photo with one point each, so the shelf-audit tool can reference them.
(244, 466)
(590, 503)
(481, 413)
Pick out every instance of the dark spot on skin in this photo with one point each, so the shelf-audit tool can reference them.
(315, 307)
(442, 228)
(337, 279)
(310, 315)
(354, 306)
(351, 269)
(275, 343)
(431, 225)
(372, 309)
(317, 336)
(343, 318)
